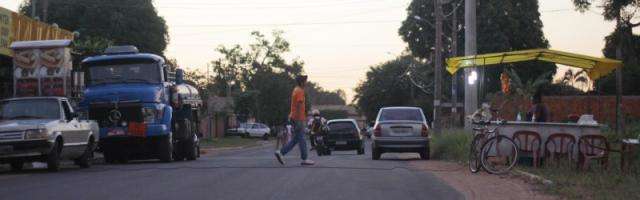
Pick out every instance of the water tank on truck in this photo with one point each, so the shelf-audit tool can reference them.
(143, 108)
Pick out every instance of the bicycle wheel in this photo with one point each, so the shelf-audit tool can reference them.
(499, 154)
(474, 153)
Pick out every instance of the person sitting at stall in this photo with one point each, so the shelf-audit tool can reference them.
(538, 111)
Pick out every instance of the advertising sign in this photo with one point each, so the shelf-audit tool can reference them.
(42, 68)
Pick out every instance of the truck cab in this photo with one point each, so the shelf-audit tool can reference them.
(44, 129)
(142, 111)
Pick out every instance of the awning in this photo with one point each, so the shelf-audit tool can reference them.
(595, 67)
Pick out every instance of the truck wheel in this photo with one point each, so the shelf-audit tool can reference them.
(17, 166)
(190, 149)
(85, 160)
(165, 149)
(109, 156)
(53, 158)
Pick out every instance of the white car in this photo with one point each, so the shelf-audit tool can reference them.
(257, 130)
(44, 129)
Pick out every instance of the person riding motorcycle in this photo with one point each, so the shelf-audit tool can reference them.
(317, 125)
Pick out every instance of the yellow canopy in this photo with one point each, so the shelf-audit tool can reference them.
(595, 67)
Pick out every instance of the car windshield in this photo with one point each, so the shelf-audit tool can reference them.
(124, 73)
(401, 114)
(341, 126)
(29, 109)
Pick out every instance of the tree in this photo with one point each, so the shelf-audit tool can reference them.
(502, 26)
(125, 22)
(388, 84)
(623, 12)
(260, 79)
(320, 96)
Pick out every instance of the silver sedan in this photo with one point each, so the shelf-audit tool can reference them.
(400, 129)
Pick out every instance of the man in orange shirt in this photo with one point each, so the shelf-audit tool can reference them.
(298, 116)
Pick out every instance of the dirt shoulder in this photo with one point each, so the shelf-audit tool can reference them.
(481, 185)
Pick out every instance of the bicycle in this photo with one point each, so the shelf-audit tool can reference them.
(487, 147)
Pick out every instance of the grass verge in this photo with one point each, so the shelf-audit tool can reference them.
(568, 182)
(451, 145)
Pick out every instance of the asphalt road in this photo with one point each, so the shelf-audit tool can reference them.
(235, 175)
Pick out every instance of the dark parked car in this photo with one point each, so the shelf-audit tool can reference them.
(344, 134)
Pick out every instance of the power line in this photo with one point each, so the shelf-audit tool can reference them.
(293, 24)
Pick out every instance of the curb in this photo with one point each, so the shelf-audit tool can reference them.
(532, 177)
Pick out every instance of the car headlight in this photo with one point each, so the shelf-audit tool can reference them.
(36, 134)
(151, 115)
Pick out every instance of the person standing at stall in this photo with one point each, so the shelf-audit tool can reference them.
(539, 112)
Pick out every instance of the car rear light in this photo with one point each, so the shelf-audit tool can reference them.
(377, 131)
(425, 131)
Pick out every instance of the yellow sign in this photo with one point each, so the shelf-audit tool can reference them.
(5, 31)
(17, 27)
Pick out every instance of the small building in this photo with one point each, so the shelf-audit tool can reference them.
(218, 116)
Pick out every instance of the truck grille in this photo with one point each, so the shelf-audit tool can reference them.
(130, 112)
(10, 136)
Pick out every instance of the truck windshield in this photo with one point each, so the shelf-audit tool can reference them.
(29, 109)
(124, 73)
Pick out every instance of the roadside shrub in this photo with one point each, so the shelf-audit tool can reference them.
(452, 145)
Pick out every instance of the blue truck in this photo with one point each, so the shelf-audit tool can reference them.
(143, 109)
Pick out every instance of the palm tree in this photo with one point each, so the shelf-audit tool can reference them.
(525, 90)
(572, 78)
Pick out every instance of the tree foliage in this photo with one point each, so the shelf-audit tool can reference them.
(502, 26)
(260, 79)
(389, 84)
(623, 12)
(124, 22)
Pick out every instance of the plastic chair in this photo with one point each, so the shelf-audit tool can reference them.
(559, 145)
(529, 142)
(593, 147)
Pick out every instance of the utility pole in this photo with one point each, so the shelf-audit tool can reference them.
(454, 77)
(437, 97)
(619, 56)
(471, 88)
(33, 8)
(45, 9)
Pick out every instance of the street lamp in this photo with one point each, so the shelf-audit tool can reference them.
(472, 78)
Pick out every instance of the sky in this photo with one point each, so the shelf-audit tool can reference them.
(337, 39)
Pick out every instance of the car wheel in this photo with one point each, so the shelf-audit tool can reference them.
(17, 166)
(265, 136)
(85, 160)
(165, 149)
(375, 153)
(425, 154)
(53, 158)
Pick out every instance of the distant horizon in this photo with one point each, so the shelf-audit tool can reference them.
(337, 40)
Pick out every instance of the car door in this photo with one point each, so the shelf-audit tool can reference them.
(73, 132)
(253, 130)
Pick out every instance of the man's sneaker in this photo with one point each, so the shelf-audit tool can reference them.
(279, 157)
(308, 162)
